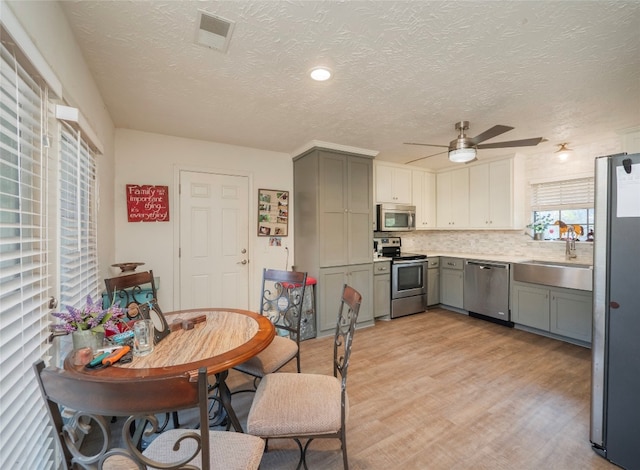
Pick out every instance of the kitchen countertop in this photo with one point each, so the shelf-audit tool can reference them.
(498, 258)
(485, 257)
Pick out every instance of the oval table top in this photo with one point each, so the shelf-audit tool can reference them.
(228, 337)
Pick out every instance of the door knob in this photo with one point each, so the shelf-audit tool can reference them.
(244, 261)
(243, 251)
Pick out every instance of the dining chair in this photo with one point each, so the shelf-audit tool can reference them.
(309, 406)
(281, 302)
(140, 400)
(137, 287)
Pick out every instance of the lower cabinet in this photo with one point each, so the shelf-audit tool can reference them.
(530, 306)
(433, 281)
(451, 282)
(571, 314)
(381, 288)
(564, 312)
(330, 284)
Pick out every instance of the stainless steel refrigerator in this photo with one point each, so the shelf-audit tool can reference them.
(615, 398)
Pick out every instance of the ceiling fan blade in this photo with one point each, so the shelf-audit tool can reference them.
(428, 156)
(490, 133)
(512, 143)
(428, 145)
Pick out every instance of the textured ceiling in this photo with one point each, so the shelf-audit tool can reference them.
(406, 71)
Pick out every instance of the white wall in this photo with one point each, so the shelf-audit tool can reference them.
(45, 24)
(145, 158)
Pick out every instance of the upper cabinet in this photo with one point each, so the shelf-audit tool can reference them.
(424, 198)
(477, 196)
(333, 209)
(452, 196)
(393, 184)
(496, 195)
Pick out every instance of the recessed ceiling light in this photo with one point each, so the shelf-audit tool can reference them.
(320, 74)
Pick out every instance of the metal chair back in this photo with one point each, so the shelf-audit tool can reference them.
(137, 287)
(282, 297)
(93, 399)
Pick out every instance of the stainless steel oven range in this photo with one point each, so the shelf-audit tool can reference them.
(408, 277)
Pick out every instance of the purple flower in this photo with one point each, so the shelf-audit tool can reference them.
(90, 316)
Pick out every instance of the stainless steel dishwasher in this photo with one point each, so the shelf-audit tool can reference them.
(486, 289)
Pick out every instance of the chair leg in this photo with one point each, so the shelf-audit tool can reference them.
(345, 462)
(303, 450)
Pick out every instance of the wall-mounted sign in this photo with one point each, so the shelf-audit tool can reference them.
(147, 203)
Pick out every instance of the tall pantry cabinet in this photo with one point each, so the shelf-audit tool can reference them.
(333, 208)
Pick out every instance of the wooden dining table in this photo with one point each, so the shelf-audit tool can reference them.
(225, 338)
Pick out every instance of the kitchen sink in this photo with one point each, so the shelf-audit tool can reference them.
(554, 273)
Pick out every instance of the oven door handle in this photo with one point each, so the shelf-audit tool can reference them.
(410, 261)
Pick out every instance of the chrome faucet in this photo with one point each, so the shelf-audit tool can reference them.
(570, 250)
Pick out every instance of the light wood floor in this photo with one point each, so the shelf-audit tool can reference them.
(441, 390)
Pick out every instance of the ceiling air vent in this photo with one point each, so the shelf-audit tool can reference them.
(213, 31)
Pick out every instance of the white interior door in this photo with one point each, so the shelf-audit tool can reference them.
(214, 233)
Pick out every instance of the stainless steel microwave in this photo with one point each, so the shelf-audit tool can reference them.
(395, 218)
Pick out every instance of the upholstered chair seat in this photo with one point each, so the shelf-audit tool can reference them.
(228, 450)
(313, 407)
(280, 351)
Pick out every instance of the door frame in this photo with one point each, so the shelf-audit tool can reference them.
(175, 214)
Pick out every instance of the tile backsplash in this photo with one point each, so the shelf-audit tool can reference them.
(494, 242)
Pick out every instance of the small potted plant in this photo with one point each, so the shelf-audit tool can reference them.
(539, 225)
(88, 324)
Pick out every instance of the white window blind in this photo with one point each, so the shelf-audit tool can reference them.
(25, 433)
(79, 274)
(558, 195)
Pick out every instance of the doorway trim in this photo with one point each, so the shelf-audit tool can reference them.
(175, 215)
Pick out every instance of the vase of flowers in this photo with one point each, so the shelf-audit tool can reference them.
(89, 323)
(539, 225)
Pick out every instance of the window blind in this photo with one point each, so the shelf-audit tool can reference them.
(25, 432)
(79, 274)
(557, 195)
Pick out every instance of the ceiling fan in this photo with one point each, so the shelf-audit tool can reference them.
(463, 149)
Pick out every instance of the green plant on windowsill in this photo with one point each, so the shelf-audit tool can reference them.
(540, 225)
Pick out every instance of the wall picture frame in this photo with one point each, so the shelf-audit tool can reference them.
(273, 213)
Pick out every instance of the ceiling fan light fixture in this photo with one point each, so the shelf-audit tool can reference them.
(463, 155)
(563, 151)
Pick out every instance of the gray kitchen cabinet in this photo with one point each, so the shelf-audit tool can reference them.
(452, 188)
(393, 184)
(530, 306)
(571, 314)
(563, 312)
(345, 209)
(330, 284)
(451, 282)
(333, 215)
(433, 281)
(424, 198)
(381, 288)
